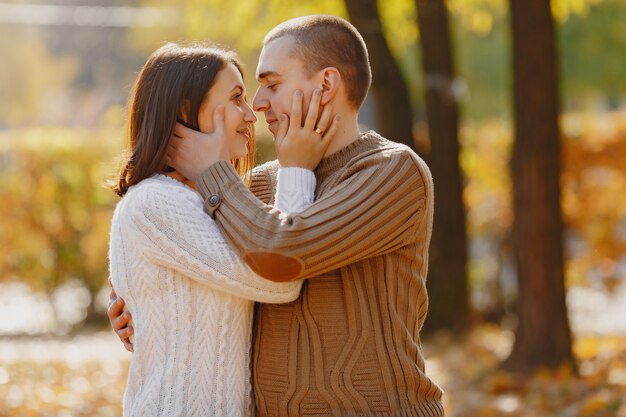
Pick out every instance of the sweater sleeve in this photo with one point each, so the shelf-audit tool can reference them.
(174, 231)
(263, 184)
(295, 190)
(376, 208)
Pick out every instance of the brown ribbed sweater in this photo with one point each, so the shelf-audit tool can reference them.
(349, 345)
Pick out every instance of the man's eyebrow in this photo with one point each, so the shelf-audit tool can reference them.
(267, 74)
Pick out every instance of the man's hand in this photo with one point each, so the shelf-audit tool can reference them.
(119, 319)
(303, 145)
(191, 152)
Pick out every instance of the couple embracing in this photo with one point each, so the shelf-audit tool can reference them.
(296, 288)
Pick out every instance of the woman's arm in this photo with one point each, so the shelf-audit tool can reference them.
(174, 231)
(295, 190)
(294, 196)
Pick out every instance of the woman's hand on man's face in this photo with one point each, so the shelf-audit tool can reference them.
(304, 144)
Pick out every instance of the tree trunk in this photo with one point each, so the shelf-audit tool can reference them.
(543, 336)
(447, 280)
(390, 93)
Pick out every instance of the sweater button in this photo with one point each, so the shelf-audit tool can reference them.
(214, 200)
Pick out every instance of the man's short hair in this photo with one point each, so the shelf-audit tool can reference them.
(329, 41)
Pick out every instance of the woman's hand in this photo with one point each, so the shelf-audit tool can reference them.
(303, 146)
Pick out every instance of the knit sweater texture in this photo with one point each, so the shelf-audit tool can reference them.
(191, 298)
(349, 345)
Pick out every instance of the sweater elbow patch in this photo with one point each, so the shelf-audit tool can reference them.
(274, 266)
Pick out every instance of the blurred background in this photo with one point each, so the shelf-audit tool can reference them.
(519, 108)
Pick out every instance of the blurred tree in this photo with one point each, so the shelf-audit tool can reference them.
(389, 90)
(33, 78)
(447, 279)
(589, 38)
(241, 25)
(589, 32)
(543, 335)
(480, 30)
(55, 215)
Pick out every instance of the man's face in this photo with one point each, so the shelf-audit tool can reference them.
(280, 75)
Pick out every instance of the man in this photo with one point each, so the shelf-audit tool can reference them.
(350, 344)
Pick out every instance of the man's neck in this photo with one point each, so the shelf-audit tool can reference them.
(347, 133)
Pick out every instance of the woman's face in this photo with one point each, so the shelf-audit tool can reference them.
(228, 89)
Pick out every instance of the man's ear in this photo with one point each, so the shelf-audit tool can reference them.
(331, 82)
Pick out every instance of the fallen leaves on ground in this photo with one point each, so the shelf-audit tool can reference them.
(475, 387)
(60, 385)
(58, 389)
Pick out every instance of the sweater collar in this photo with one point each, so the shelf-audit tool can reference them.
(339, 159)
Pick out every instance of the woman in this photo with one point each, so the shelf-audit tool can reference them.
(190, 295)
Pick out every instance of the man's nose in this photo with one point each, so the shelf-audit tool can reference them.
(260, 102)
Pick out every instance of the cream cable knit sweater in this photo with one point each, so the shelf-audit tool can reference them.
(191, 298)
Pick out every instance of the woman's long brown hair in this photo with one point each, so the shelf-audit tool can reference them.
(173, 75)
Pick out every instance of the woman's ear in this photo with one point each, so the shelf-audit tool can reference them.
(185, 108)
(330, 84)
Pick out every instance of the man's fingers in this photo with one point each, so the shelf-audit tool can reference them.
(173, 150)
(122, 329)
(295, 118)
(125, 334)
(313, 112)
(218, 119)
(121, 322)
(170, 158)
(322, 125)
(116, 307)
(181, 131)
(174, 143)
(128, 345)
